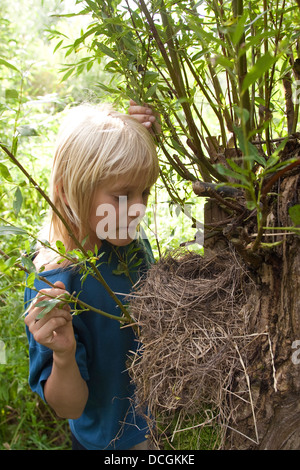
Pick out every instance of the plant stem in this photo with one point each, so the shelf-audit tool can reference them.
(238, 10)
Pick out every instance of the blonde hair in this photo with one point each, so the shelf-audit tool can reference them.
(95, 144)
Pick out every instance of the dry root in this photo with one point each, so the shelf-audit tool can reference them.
(193, 328)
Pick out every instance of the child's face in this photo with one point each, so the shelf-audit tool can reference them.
(116, 210)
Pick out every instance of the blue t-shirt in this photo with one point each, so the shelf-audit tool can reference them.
(109, 420)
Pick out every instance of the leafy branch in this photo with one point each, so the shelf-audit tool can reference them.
(67, 299)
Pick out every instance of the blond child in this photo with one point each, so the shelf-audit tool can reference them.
(104, 166)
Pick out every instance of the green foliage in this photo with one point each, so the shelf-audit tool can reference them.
(221, 75)
(26, 423)
(191, 433)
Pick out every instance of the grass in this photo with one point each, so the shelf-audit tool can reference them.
(33, 427)
(189, 433)
(26, 423)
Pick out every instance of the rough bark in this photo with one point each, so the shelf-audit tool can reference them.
(270, 418)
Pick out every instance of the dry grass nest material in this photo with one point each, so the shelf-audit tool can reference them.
(193, 327)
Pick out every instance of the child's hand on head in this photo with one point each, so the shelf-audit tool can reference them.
(145, 115)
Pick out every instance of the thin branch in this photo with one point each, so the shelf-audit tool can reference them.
(212, 192)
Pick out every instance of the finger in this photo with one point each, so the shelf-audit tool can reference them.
(144, 119)
(59, 287)
(46, 294)
(57, 292)
(44, 332)
(137, 109)
(34, 323)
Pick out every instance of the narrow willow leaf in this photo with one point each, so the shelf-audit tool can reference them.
(103, 48)
(271, 244)
(11, 230)
(294, 213)
(5, 172)
(30, 280)
(17, 202)
(68, 74)
(239, 29)
(9, 65)
(233, 174)
(47, 306)
(150, 92)
(257, 71)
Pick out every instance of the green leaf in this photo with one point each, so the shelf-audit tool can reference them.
(17, 202)
(61, 247)
(11, 230)
(294, 213)
(149, 77)
(249, 150)
(58, 45)
(11, 94)
(68, 74)
(47, 306)
(150, 92)
(271, 244)
(30, 280)
(233, 174)
(103, 48)
(10, 286)
(239, 29)
(28, 264)
(27, 131)
(4, 172)
(225, 62)
(259, 68)
(9, 65)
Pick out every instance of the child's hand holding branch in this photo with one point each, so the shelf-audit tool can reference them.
(65, 390)
(54, 330)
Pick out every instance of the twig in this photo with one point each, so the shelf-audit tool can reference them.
(250, 394)
(273, 363)
(210, 190)
(277, 175)
(203, 189)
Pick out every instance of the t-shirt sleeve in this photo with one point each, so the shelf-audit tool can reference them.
(40, 357)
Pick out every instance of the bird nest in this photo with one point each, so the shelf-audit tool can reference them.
(193, 318)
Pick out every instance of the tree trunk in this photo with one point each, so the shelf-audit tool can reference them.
(269, 416)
